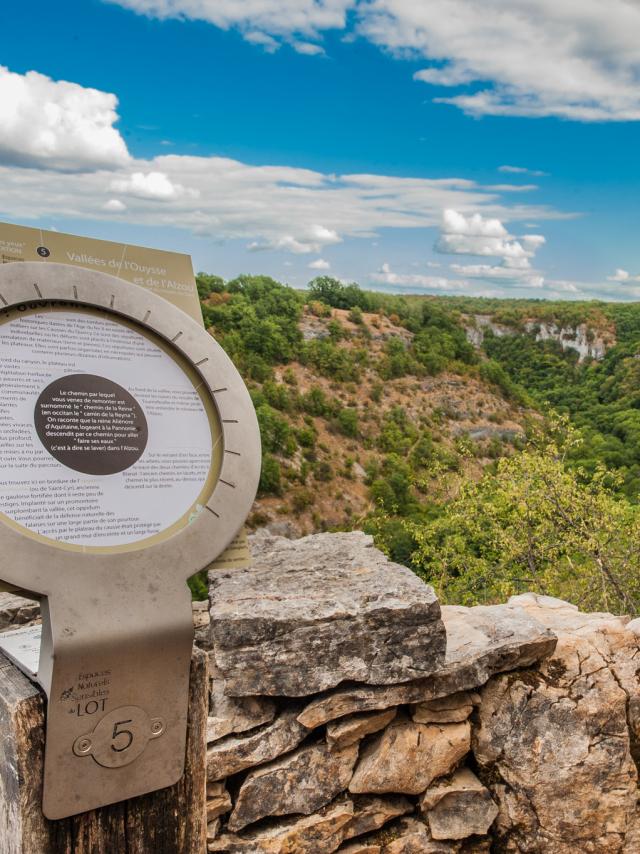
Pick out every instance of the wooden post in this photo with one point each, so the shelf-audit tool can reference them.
(169, 821)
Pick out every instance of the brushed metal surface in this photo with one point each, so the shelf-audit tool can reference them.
(117, 628)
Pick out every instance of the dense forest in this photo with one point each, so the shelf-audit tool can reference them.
(489, 463)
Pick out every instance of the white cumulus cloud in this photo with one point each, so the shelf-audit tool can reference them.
(283, 208)
(114, 206)
(308, 48)
(413, 281)
(152, 185)
(261, 21)
(319, 264)
(52, 124)
(484, 237)
(576, 60)
(522, 170)
(475, 225)
(621, 275)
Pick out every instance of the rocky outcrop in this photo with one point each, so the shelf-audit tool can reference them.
(330, 600)
(588, 342)
(520, 739)
(477, 326)
(557, 742)
(581, 338)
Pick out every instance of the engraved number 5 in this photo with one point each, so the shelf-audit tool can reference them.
(117, 732)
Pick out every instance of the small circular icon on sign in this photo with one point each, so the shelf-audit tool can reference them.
(43, 252)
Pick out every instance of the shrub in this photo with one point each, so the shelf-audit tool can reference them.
(355, 315)
(277, 435)
(348, 422)
(307, 437)
(315, 402)
(270, 476)
(331, 361)
(376, 392)
(208, 285)
(397, 360)
(300, 500)
(322, 472)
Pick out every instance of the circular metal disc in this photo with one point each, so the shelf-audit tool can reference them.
(225, 491)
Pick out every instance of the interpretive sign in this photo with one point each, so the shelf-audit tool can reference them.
(168, 274)
(130, 459)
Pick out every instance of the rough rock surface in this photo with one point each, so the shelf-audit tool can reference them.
(234, 714)
(481, 641)
(218, 800)
(235, 753)
(213, 829)
(412, 836)
(407, 756)
(16, 611)
(301, 782)
(321, 833)
(360, 848)
(371, 813)
(315, 612)
(458, 807)
(444, 710)
(348, 730)
(555, 743)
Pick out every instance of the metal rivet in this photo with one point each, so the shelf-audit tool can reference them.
(83, 745)
(157, 726)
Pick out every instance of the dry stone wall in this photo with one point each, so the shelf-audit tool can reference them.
(351, 713)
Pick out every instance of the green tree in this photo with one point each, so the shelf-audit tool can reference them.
(270, 476)
(208, 284)
(348, 422)
(535, 524)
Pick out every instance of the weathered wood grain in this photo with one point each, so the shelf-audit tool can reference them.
(169, 821)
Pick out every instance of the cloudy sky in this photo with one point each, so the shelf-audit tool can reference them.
(425, 146)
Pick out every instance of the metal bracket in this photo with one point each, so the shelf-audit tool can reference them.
(117, 625)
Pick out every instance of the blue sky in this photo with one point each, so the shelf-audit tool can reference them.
(303, 137)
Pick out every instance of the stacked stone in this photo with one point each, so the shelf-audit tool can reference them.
(338, 722)
(16, 612)
(341, 703)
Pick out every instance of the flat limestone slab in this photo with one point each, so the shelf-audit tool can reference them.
(315, 612)
(482, 641)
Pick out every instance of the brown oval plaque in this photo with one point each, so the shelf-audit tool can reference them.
(91, 424)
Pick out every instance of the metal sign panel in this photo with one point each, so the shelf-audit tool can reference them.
(131, 457)
(167, 274)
